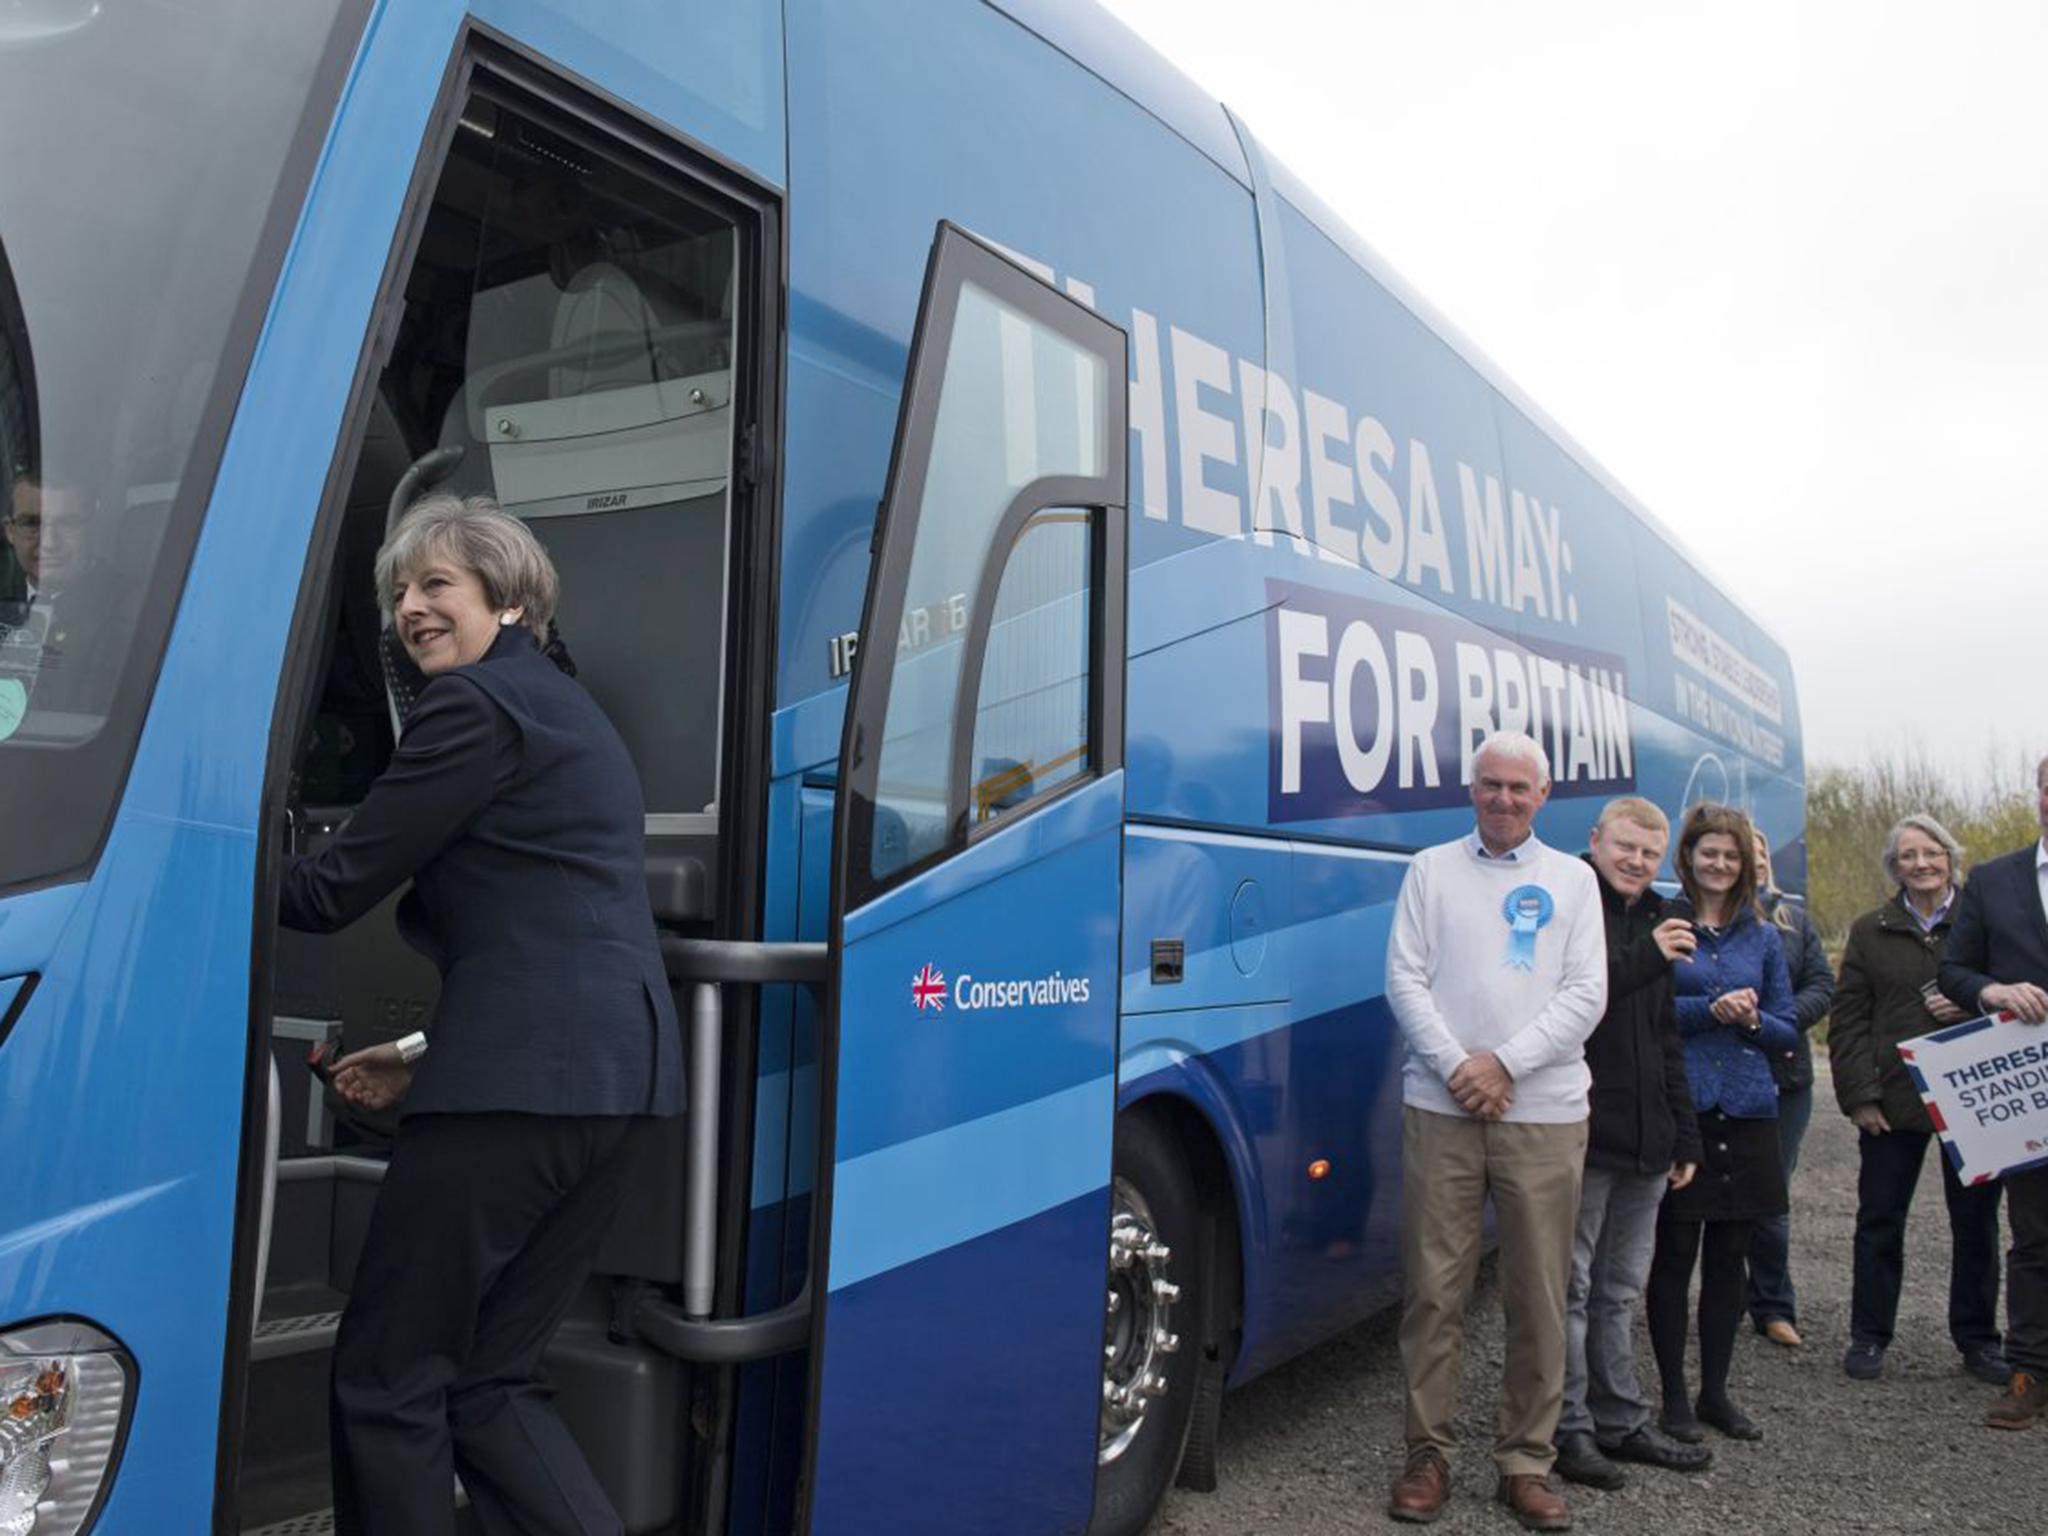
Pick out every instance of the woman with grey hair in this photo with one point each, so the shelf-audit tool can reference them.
(513, 808)
(1886, 994)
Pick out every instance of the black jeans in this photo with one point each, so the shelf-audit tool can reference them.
(1884, 1191)
(2026, 1272)
(1771, 1294)
(484, 1229)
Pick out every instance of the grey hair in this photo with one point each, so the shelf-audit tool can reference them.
(1919, 821)
(478, 535)
(1518, 745)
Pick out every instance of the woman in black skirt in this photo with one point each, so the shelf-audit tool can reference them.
(1734, 1002)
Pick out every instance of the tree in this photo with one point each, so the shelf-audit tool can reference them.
(1851, 807)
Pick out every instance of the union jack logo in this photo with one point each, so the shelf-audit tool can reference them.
(928, 989)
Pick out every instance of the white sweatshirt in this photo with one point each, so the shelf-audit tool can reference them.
(1464, 927)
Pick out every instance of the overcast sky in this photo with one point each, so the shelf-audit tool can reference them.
(1782, 268)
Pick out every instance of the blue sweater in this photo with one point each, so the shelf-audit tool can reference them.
(1729, 1070)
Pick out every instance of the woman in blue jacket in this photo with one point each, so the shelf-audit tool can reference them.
(514, 809)
(1735, 1009)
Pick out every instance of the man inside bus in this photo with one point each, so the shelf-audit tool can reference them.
(1996, 960)
(40, 529)
(1496, 973)
(1641, 1138)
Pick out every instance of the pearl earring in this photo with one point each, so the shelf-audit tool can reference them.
(507, 620)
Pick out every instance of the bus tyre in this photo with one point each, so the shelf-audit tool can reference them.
(1149, 1373)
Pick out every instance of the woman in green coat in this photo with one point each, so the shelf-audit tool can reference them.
(1886, 994)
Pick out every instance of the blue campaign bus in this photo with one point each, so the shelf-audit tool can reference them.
(1049, 574)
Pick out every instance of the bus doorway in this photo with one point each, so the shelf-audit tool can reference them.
(579, 325)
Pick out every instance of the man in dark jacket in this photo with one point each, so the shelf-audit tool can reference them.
(1997, 959)
(1642, 1138)
(1773, 1303)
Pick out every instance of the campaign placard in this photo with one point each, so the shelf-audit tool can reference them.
(1985, 1083)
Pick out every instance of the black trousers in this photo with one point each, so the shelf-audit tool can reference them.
(1884, 1192)
(2026, 1272)
(485, 1228)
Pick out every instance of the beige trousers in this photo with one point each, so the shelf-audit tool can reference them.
(1450, 1163)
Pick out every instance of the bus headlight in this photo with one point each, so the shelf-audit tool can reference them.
(64, 1389)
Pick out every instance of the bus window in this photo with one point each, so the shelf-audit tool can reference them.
(1019, 403)
(141, 151)
(1031, 720)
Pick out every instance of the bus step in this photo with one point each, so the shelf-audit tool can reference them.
(277, 1337)
(317, 1522)
(320, 1522)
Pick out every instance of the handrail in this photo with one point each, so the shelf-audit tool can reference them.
(765, 965)
(697, 968)
(724, 1341)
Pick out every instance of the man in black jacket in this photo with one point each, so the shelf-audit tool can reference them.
(1997, 960)
(1642, 1139)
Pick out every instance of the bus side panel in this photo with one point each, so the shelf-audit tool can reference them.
(1530, 545)
(132, 1047)
(970, 1199)
(1313, 1079)
(1428, 566)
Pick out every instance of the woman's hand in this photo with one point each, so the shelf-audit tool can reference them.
(373, 1078)
(1870, 1119)
(1738, 1007)
(1941, 1010)
(1681, 1174)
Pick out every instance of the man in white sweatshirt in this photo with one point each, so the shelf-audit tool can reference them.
(1497, 973)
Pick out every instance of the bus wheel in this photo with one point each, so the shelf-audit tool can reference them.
(1148, 1380)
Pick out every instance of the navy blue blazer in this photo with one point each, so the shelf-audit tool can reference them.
(512, 805)
(1999, 933)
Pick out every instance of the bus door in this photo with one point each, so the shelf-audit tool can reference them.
(970, 1048)
(579, 321)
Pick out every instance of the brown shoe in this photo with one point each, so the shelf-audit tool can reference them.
(1423, 1489)
(1778, 1331)
(2025, 1400)
(1529, 1500)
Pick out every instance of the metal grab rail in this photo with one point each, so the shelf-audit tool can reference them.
(764, 965)
(723, 1341)
(689, 1332)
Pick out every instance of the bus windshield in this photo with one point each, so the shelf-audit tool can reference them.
(141, 153)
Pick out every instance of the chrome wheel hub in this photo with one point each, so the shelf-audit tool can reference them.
(1137, 1332)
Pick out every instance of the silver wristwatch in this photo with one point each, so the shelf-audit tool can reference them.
(412, 1047)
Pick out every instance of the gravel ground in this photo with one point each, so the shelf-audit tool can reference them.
(1312, 1447)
